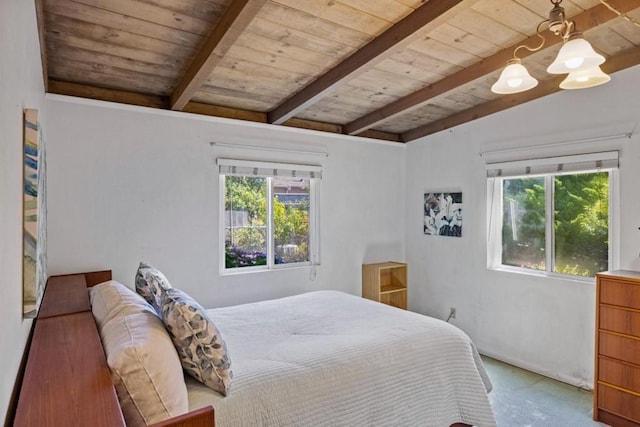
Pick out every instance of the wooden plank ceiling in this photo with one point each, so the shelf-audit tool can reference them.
(388, 69)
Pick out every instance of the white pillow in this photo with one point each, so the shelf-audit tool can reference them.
(145, 369)
(112, 299)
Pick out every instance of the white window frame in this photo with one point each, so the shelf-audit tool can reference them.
(268, 170)
(495, 213)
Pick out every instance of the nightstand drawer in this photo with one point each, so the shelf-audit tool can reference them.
(619, 402)
(619, 347)
(617, 292)
(620, 320)
(619, 374)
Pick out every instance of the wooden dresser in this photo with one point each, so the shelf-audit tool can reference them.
(616, 393)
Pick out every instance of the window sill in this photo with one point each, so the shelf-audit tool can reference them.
(544, 274)
(261, 269)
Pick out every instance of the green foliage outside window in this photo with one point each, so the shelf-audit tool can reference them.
(246, 244)
(249, 194)
(523, 229)
(291, 227)
(581, 223)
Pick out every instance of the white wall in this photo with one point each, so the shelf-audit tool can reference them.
(20, 87)
(544, 324)
(127, 184)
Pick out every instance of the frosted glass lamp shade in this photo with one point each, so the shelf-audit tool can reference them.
(586, 78)
(575, 55)
(514, 79)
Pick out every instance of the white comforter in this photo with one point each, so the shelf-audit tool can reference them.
(333, 359)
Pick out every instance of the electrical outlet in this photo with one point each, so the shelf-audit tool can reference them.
(452, 313)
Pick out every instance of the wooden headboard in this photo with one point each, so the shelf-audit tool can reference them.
(67, 381)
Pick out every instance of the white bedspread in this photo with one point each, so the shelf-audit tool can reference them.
(333, 359)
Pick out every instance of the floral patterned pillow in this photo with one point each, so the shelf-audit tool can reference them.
(149, 283)
(201, 348)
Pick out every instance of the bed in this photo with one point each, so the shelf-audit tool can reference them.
(320, 358)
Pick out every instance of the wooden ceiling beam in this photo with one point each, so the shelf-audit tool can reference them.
(254, 116)
(162, 102)
(378, 134)
(43, 44)
(621, 61)
(586, 20)
(235, 20)
(333, 128)
(430, 14)
(111, 95)
(226, 112)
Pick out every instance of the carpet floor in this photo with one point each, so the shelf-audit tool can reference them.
(523, 398)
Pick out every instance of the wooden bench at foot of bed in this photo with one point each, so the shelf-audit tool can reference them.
(67, 381)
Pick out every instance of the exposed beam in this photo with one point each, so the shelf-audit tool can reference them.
(111, 95)
(43, 44)
(626, 59)
(586, 20)
(429, 14)
(235, 20)
(162, 102)
(313, 125)
(227, 112)
(377, 134)
(333, 128)
(254, 116)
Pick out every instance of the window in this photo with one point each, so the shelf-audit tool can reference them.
(557, 223)
(270, 213)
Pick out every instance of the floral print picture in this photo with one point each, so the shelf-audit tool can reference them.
(443, 214)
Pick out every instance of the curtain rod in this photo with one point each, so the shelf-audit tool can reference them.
(627, 135)
(278, 149)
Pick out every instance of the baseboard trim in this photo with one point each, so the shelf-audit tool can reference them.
(568, 379)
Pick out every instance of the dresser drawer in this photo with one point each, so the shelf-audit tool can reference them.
(619, 374)
(616, 292)
(620, 320)
(617, 347)
(619, 402)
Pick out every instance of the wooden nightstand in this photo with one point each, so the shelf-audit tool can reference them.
(385, 282)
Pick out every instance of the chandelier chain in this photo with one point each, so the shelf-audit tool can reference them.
(536, 48)
(617, 12)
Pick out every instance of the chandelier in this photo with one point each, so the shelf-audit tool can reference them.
(576, 58)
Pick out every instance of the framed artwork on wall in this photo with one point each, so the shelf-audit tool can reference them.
(34, 215)
(443, 214)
